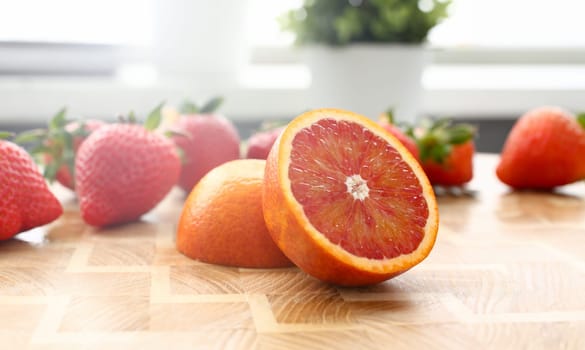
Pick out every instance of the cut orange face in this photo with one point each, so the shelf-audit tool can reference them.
(345, 201)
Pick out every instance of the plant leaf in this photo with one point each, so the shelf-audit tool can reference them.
(5, 135)
(30, 136)
(336, 23)
(581, 119)
(460, 133)
(39, 148)
(154, 118)
(437, 138)
(189, 107)
(211, 105)
(442, 123)
(177, 132)
(59, 120)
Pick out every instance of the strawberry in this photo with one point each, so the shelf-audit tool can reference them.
(387, 121)
(446, 152)
(544, 149)
(25, 199)
(455, 170)
(260, 143)
(123, 171)
(57, 145)
(210, 140)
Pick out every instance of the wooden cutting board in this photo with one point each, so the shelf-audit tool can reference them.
(507, 272)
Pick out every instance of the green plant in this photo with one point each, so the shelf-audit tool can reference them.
(341, 22)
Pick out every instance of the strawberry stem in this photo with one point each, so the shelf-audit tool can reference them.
(68, 153)
(132, 117)
(50, 171)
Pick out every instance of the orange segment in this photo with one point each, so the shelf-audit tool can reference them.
(346, 201)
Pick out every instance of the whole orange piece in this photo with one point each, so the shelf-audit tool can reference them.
(222, 221)
(346, 201)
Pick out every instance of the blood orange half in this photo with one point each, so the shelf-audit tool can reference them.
(346, 201)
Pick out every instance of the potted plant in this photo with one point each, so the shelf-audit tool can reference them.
(365, 55)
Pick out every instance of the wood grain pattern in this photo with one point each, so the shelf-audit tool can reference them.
(507, 272)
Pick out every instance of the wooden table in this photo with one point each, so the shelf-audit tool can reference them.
(507, 272)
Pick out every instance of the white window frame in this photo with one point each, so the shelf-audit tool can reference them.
(64, 59)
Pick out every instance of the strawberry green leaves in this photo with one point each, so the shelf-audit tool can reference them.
(389, 116)
(446, 151)
(189, 107)
(55, 142)
(211, 106)
(581, 119)
(30, 136)
(59, 120)
(4, 135)
(154, 118)
(152, 121)
(55, 146)
(435, 139)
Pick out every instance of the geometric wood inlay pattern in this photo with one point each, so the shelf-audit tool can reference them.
(507, 272)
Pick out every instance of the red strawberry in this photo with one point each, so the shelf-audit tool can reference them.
(123, 171)
(544, 149)
(210, 140)
(455, 170)
(387, 121)
(25, 199)
(260, 143)
(446, 152)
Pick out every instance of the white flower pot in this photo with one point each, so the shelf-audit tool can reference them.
(368, 78)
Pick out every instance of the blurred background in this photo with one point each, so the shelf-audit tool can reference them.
(486, 62)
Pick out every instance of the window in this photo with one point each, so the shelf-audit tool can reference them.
(512, 24)
(128, 22)
(68, 37)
